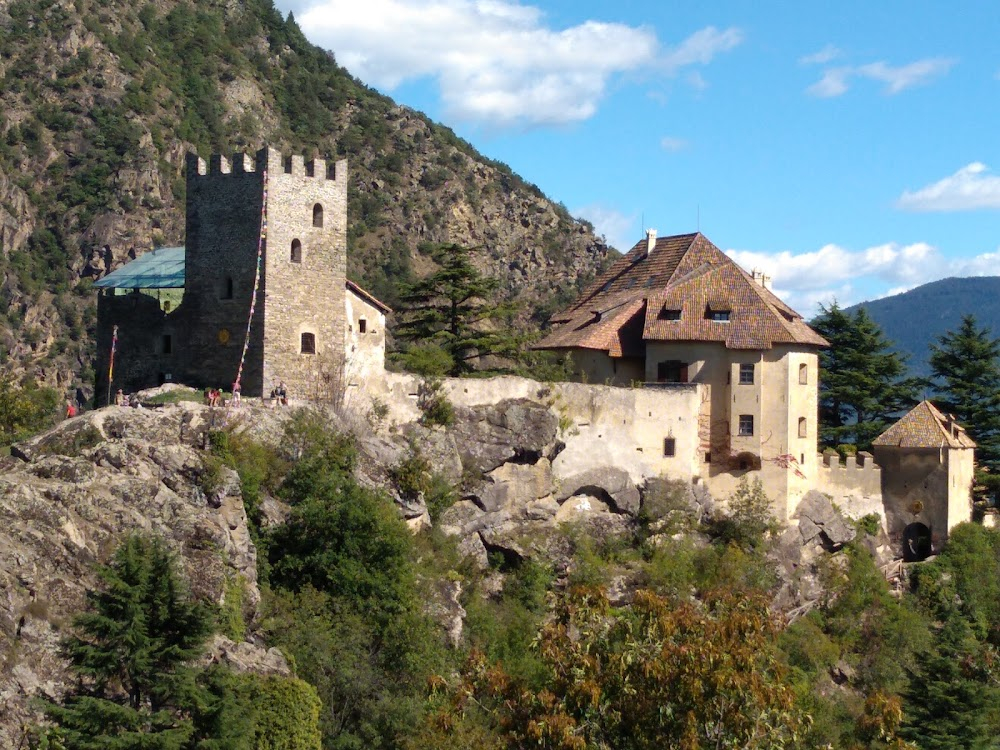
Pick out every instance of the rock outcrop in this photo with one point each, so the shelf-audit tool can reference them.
(67, 499)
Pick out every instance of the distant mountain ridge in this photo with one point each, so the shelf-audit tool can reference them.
(915, 319)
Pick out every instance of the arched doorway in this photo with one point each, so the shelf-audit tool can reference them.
(916, 542)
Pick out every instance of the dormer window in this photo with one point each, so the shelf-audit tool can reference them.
(720, 316)
(668, 314)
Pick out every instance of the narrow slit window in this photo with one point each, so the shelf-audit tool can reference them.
(308, 343)
(803, 373)
(228, 288)
(296, 251)
(803, 427)
(362, 326)
(167, 344)
(317, 215)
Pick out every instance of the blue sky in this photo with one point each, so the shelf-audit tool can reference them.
(851, 150)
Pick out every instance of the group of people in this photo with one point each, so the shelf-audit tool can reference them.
(131, 400)
(279, 394)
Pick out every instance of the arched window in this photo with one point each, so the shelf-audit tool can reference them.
(296, 251)
(803, 373)
(308, 345)
(317, 215)
(803, 429)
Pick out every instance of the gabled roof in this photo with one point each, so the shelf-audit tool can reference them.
(369, 298)
(684, 274)
(925, 427)
(162, 268)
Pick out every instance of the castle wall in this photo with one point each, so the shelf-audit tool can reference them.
(143, 357)
(223, 229)
(915, 490)
(365, 348)
(305, 293)
(961, 469)
(855, 485)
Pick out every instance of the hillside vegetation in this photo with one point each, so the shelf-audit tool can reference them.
(101, 99)
(914, 319)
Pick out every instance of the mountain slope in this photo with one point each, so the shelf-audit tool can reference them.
(915, 319)
(101, 99)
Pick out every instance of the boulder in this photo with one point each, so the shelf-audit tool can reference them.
(512, 431)
(816, 510)
(611, 485)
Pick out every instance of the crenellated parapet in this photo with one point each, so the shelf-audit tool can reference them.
(269, 159)
(856, 473)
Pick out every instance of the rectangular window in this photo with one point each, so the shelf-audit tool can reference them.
(721, 316)
(746, 425)
(669, 446)
(803, 374)
(168, 344)
(672, 371)
(803, 428)
(746, 374)
(362, 326)
(708, 458)
(670, 314)
(308, 343)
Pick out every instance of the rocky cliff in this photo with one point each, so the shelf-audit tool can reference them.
(101, 100)
(68, 498)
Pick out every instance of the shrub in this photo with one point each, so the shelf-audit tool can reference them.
(435, 406)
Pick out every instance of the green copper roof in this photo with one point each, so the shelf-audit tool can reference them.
(162, 268)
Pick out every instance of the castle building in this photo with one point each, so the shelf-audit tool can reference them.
(927, 462)
(678, 310)
(265, 252)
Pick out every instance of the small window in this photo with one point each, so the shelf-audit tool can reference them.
(720, 316)
(228, 288)
(672, 371)
(317, 215)
(803, 427)
(670, 314)
(363, 326)
(167, 344)
(746, 374)
(803, 374)
(308, 343)
(669, 446)
(708, 458)
(296, 251)
(166, 305)
(746, 425)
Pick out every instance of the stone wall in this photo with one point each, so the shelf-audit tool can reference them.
(365, 340)
(855, 485)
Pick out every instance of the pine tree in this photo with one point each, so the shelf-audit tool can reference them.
(136, 686)
(863, 384)
(455, 310)
(966, 367)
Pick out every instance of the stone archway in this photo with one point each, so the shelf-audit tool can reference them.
(916, 542)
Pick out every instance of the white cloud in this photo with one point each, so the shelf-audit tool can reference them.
(670, 143)
(613, 224)
(823, 56)
(834, 272)
(969, 188)
(835, 81)
(496, 61)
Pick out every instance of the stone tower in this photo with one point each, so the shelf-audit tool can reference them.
(298, 328)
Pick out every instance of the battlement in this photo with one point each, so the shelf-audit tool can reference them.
(267, 158)
(858, 472)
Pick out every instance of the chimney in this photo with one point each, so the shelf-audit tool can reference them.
(650, 241)
(761, 278)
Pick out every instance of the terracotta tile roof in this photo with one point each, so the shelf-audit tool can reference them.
(925, 427)
(686, 274)
(368, 297)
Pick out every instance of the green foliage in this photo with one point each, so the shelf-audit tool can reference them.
(25, 408)
(232, 621)
(966, 367)
(132, 655)
(415, 478)
(434, 405)
(456, 308)
(863, 383)
(427, 359)
(286, 713)
(749, 523)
